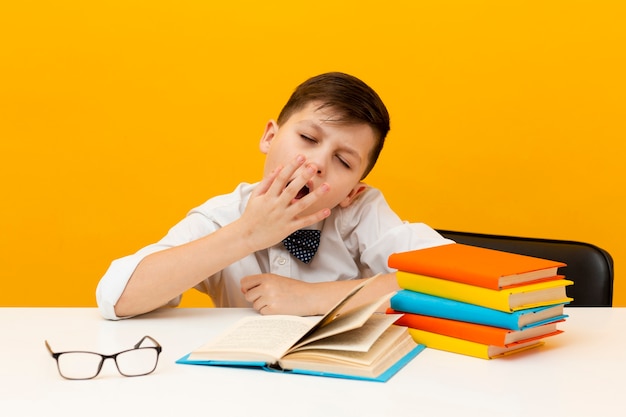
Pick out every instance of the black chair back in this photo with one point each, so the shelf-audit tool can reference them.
(588, 266)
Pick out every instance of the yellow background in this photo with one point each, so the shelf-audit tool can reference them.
(117, 117)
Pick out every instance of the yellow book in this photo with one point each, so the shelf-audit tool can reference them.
(507, 300)
(466, 347)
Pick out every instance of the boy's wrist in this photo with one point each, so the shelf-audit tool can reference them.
(243, 237)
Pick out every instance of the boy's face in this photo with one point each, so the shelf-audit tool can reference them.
(339, 150)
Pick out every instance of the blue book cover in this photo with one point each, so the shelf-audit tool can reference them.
(429, 305)
(384, 377)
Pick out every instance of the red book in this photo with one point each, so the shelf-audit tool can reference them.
(487, 335)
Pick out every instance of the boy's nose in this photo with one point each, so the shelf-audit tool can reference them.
(319, 160)
(318, 164)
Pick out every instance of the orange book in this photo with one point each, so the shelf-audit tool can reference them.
(473, 265)
(487, 335)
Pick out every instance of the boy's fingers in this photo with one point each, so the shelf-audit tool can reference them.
(298, 206)
(315, 217)
(281, 182)
(304, 175)
(249, 282)
(306, 201)
(267, 182)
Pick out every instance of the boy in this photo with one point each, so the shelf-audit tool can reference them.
(235, 247)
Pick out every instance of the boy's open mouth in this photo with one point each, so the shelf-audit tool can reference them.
(303, 192)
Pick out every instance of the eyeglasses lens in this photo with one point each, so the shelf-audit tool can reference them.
(137, 362)
(79, 365)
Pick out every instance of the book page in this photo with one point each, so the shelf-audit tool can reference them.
(352, 319)
(330, 315)
(386, 351)
(267, 338)
(259, 338)
(392, 337)
(357, 340)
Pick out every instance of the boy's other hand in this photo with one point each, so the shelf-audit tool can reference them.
(274, 211)
(275, 294)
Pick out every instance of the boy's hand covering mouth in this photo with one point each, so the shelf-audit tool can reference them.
(304, 191)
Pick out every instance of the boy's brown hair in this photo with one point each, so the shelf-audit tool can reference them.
(352, 99)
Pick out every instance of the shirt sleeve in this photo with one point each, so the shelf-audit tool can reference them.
(377, 231)
(404, 237)
(115, 279)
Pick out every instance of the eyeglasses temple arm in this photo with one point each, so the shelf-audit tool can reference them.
(144, 338)
(49, 348)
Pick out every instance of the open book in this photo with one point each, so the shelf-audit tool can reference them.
(357, 343)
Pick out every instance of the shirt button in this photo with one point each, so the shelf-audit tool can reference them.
(282, 261)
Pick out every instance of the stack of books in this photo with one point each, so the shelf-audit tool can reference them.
(478, 302)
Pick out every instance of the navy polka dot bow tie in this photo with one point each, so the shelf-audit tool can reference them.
(303, 244)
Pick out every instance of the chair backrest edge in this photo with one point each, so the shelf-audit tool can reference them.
(603, 296)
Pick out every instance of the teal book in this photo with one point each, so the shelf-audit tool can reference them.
(355, 343)
(384, 376)
(429, 305)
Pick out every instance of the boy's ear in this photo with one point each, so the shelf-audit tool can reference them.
(354, 194)
(268, 134)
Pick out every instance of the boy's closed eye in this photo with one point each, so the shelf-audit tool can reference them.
(343, 162)
(339, 157)
(308, 138)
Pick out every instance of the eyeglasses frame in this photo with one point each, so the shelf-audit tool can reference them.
(113, 356)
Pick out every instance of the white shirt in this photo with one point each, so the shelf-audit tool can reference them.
(355, 243)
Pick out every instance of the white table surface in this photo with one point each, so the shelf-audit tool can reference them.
(581, 372)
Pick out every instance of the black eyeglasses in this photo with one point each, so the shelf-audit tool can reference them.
(137, 361)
